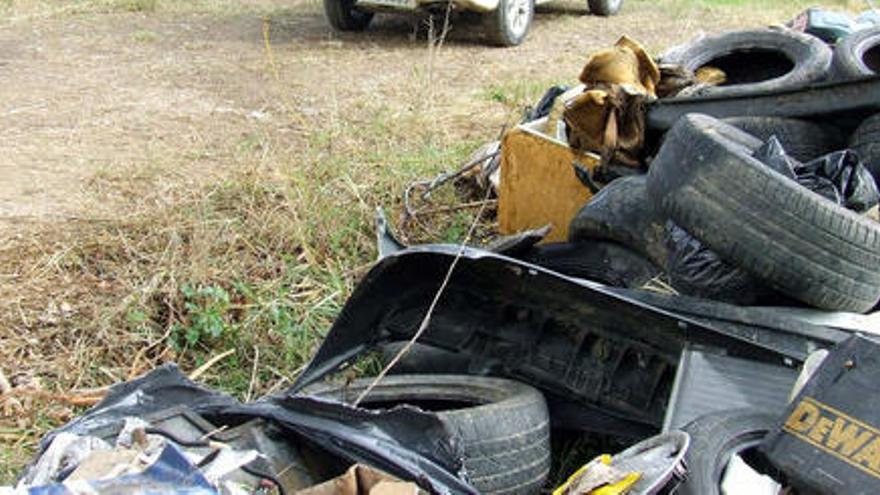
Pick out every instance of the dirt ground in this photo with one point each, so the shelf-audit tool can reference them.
(88, 95)
(179, 178)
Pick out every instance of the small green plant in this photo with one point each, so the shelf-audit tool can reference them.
(144, 36)
(138, 5)
(206, 310)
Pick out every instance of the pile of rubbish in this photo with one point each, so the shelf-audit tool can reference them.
(690, 270)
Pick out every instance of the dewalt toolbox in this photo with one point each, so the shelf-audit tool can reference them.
(828, 440)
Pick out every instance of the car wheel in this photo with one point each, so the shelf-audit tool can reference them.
(802, 140)
(508, 24)
(503, 425)
(604, 7)
(756, 61)
(865, 141)
(715, 439)
(343, 16)
(857, 55)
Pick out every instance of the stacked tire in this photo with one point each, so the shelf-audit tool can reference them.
(706, 180)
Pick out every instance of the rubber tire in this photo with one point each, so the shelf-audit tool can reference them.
(800, 243)
(621, 212)
(849, 62)
(506, 437)
(810, 56)
(497, 29)
(715, 437)
(604, 8)
(342, 15)
(601, 261)
(865, 141)
(802, 140)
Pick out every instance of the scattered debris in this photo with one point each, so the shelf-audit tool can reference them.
(718, 178)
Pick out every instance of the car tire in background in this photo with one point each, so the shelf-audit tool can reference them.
(857, 55)
(503, 425)
(756, 61)
(343, 16)
(509, 24)
(865, 141)
(715, 438)
(705, 179)
(604, 7)
(802, 140)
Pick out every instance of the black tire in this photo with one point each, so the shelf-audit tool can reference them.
(503, 425)
(865, 141)
(509, 24)
(802, 244)
(715, 438)
(801, 139)
(604, 7)
(756, 61)
(600, 261)
(838, 103)
(857, 55)
(343, 16)
(621, 212)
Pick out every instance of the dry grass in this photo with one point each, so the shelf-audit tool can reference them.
(229, 190)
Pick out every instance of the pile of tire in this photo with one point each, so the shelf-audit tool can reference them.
(706, 179)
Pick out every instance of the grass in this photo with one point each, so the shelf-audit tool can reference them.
(260, 254)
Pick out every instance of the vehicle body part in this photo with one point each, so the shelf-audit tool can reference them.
(516, 245)
(708, 382)
(602, 350)
(407, 443)
(756, 60)
(827, 440)
(509, 22)
(386, 241)
(706, 179)
(865, 141)
(424, 359)
(715, 439)
(601, 261)
(502, 425)
(803, 140)
(538, 184)
(344, 15)
(604, 7)
(621, 212)
(857, 55)
(844, 103)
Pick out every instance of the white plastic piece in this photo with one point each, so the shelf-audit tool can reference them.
(741, 479)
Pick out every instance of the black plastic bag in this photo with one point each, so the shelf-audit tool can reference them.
(545, 104)
(695, 270)
(839, 176)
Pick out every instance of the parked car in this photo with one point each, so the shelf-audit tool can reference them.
(506, 21)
